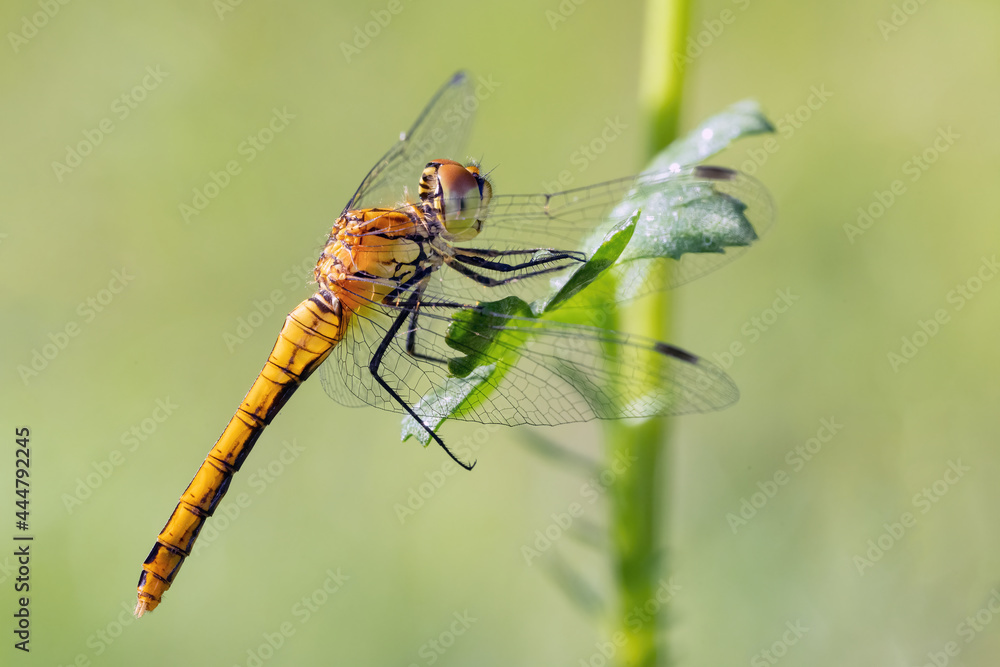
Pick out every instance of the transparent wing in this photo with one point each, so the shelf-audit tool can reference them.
(439, 132)
(681, 208)
(540, 372)
(704, 215)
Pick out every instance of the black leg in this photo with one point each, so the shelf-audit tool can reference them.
(496, 282)
(487, 252)
(373, 367)
(411, 332)
(477, 260)
(402, 288)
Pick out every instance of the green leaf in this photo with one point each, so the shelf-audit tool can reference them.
(456, 397)
(742, 119)
(691, 219)
(681, 218)
(672, 235)
(699, 221)
(481, 333)
(607, 254)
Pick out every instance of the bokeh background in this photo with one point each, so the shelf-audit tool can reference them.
(895, 78)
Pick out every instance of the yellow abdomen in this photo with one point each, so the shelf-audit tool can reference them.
(308, 337)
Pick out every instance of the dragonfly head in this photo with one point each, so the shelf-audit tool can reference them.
(459, 194)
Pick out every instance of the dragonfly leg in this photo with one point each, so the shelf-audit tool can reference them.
(496, 282)
(490, 252)
(411, 332)
(392, 298)
(373, 367)
(476, 258)
(411, 341)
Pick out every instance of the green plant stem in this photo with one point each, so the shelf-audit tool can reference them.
(637, 501)
(662, 70)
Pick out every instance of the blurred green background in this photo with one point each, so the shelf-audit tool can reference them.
(220, 72)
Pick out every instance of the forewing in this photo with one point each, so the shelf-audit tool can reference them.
(439, 132)
(694, 220)
(701, 217)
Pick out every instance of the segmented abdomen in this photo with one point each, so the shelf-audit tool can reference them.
(310, 332)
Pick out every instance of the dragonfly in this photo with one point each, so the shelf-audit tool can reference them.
(424, 237)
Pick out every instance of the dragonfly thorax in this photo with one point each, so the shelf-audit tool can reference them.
(456, 195)
(370, 251)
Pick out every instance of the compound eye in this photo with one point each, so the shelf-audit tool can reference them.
(460, 192)
(464, 196)
(485, 188)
